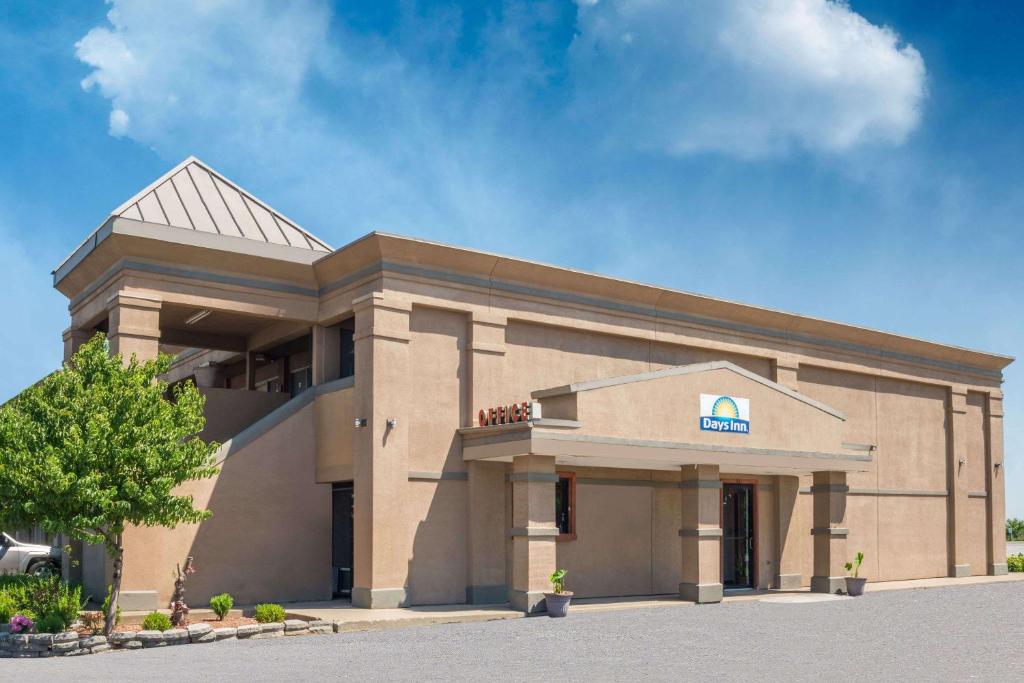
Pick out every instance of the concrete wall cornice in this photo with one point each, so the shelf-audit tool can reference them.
(505, 276)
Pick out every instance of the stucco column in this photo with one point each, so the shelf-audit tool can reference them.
(787, 575)
(326, 356)
(487, 580)
(996, 486)
(380, 451)
(133, 326)
(829, 492)
(533, 530)
(956, 481)
(701, 534)
(74, 337)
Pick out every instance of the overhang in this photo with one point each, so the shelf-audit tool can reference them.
(663, 420)
(571, 448)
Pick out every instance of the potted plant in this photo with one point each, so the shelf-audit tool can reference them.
(558, 599)
(854, 583)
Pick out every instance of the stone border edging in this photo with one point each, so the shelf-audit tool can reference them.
(70, 644)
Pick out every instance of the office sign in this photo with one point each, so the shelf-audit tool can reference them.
(510, 414)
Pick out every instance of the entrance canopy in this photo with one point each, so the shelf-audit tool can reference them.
(710, 413)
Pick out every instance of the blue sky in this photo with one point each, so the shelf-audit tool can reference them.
(858, 162)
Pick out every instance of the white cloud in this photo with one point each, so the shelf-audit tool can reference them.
(749, 78)
(181, 70)
(378, 142)
(118, 123)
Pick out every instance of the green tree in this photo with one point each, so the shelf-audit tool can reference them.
(1015, 529)
(101, 445)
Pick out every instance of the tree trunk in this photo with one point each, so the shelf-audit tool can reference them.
(115, 587)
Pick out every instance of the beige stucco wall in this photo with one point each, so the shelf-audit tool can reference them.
(270, 534)
(666, 409)
(541, 356)
(228, 411)
(904, 536)
(334, 412)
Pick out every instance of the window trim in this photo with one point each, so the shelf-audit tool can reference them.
(571, 476)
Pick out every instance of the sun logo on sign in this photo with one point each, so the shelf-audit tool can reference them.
(725, 407)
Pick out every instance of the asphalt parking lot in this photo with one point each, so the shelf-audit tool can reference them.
(926, 634)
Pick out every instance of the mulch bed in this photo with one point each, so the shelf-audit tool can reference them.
(135, 624)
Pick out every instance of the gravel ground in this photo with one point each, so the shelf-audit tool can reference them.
(940, 633)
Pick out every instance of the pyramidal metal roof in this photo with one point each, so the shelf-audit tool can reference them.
(195, 197)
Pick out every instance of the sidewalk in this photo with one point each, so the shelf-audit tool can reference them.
(351, 618)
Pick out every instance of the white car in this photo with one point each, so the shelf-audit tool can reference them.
(26, 558)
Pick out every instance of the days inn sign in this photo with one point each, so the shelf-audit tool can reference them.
(724, 414)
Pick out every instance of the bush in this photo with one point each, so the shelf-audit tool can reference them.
(1015, 563)
(156, 621)
(269, 612)
(8, 607)
(222, 604)
(51, 623)
(44, 595)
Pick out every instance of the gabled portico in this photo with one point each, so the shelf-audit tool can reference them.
(653, 421)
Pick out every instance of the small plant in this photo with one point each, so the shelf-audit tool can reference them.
(106, 610)
(222, 604)
(267, 613)
(92, 621)
(1015, 563)
(51, 623)
(156, 621)
(21, 623)
(854, 567)
(558, 581)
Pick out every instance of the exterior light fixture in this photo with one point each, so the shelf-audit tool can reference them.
(392, 423)
(196, 317)
(359, 422)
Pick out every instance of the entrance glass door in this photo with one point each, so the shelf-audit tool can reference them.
(738, 535)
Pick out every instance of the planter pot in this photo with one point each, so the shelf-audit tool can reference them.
(855, 587)
(557, 603)
(206, 375)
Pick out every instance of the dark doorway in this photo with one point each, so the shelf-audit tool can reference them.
(341, 540)
(738, 545)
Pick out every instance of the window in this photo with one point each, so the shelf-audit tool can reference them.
(565, 506)
(348, 348)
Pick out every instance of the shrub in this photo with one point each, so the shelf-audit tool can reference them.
(8, 607)
(156, 621)
(40, 595)
(1015, 563)
(222, 604)
(51, 623)
(269, 612)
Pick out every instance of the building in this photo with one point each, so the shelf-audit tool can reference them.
(410, 423)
